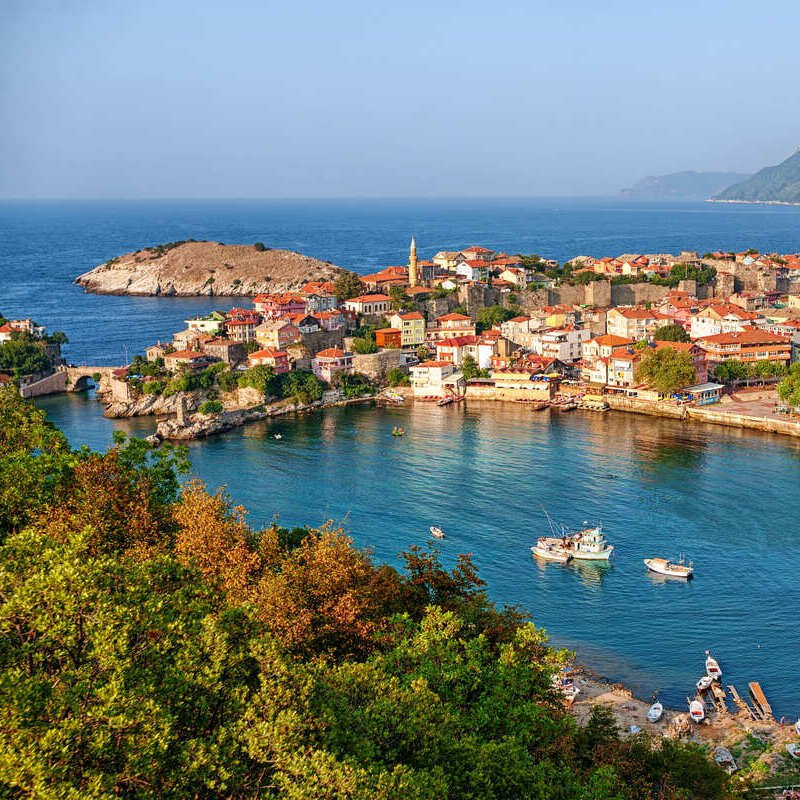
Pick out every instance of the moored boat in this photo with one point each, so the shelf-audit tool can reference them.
(589, 544)
(712, 667)
(437, 532)
(793, 750)
(551, 549)
(704, 683)
(696, 711)
(655, 712)
(397, 431)
(671, 569)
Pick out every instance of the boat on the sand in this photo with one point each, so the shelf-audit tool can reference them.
(696, 711)
(655, 712)
(672, 569)
(725, 759)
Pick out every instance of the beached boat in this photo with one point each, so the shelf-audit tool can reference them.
(725, 759)
(793, 750)
(655, 712)
(437, 532)
(551, 549)
(704, 683)
(589, 544)
(395, 397)
(445, 401)
(797, 727)
(671, 569)
(712, 667)
(696, 711)
(568, 406)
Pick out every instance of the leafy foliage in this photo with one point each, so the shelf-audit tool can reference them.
(671, 333)
(397, 377)
(666, 370)
(732, 370)
(489, 316)
(347, 285)
(355, 385)
(23, 355)
(210, 407)
(789, 387)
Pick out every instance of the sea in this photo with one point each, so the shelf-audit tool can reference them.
(727, 499)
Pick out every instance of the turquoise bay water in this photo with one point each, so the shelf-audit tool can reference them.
(728, 499)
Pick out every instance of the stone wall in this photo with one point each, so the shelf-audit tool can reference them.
(57, 382)
(634, 294)
(322, 340)
(376, 365)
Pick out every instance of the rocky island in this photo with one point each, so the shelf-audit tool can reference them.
(190, 268)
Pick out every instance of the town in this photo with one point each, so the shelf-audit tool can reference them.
(671, 331)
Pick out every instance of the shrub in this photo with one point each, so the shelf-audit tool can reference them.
(153, 387)
(396, 377)
(210, 407)
(260, 247)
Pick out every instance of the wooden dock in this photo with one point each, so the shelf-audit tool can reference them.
(740, 704)
(760, 704)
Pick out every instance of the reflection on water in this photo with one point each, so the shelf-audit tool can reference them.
(483, 471)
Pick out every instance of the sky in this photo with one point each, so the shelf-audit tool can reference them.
(452, 98)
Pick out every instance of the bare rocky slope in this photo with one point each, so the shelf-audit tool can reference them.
(185, 269)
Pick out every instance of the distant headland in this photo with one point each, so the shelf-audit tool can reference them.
(191, 268)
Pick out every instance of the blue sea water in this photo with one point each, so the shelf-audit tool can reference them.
(728, 499)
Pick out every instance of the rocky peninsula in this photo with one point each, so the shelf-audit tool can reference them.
(190, 268)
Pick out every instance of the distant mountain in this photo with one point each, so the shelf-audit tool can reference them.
(683, 185)
(779, 184)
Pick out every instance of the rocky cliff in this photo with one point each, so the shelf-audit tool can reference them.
(205, 268)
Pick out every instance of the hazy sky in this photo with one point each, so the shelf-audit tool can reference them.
(238, 98)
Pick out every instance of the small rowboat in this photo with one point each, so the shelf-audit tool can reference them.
(704, 683)
(437, 532)
(671, 569)
(793, 750)
(654, 712)
(725, 759)
(696, 711)
(712, 667)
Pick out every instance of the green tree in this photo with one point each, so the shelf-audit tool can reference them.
(210, 407)
(489, 316)
(397, 377)
(671, 333)
(730, 370)
(666, 370)
(57, 337)
(365, 345)
(789, 387)
(347, 285)
(261, 378)
(352, 385)
(23, 355)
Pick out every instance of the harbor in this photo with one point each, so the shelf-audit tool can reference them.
(501, 463)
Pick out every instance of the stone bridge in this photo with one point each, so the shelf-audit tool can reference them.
(80, 378)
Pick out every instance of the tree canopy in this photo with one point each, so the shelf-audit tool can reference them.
(666, 370)
(671, 333)
(347, 285)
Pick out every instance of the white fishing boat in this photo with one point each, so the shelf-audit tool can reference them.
(437, 532)
(551, 549)
(797, 727)
(725, 759)
(696, 711)
(589, 544)
(704, 683)
(793, 750)
(672, 569)
(712, 667)
(655, 712)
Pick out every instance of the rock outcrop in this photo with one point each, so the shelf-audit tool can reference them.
(151, 404)
(187, 269)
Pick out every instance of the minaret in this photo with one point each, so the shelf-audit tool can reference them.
(412, 264)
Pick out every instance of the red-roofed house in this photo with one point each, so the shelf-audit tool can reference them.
(434, 379)
(474, 269)
(328, 362)
(452, 325)
(275, 306)
(750, 344)
(277, 359)
(371, 304)
(603, 346)
(276, 334)
(633, 322)
(721, 317)
(389, 338)
(191, 360)
(5, 332)
(386, 278)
